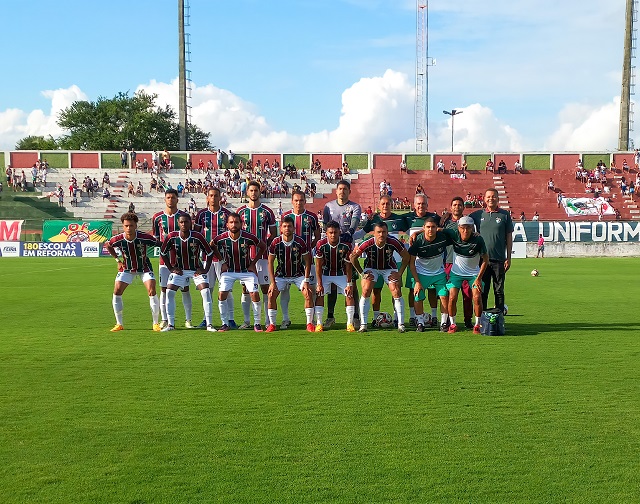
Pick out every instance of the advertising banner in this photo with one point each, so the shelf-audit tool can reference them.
(44, 249)
(9, 249)
(10, 230)
(70, 231)
(595, 231)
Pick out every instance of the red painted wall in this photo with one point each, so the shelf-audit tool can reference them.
(509, 159)
(85, 160)
(329, 161)
(387, 161)
(195, 158)
(620, 157)
(264, 157)
(565, 161)
(23, 159)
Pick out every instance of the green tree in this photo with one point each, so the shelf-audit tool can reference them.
(125, 122)
(38, 143)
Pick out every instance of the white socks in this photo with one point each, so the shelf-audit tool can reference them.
(271, 316)
(246, 307)
(171, 307)
(309, 313)
(163, 305)
(285, 297)
(351, 310)
(319, 314)
(256, 311)
(365, 305)
(154, 303)
(398, 304)
(224, 314)
(117, 308)
(206, 304)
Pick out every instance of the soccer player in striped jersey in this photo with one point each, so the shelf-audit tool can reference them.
(132, 261)
(381, 263)
(233, 248)
(259, 220)
(427, 253)
(415, 221)
(334, 268)
(307, 227)
(164, 223)
(294, 267)
(212, 221)
(182, 251)
(396, 224)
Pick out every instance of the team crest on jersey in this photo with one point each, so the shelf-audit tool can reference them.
(498, 220)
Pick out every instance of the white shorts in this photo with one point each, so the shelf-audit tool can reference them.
(262, 269)
(228, 278)
(128, 276)
(283, 283)
(379, 273)
(339, 281)
(214, 273)
(183, 280)
(164, 274)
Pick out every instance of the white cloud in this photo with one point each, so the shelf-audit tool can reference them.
(588, 128)
(16, 124)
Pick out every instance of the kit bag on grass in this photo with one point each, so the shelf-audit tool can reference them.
(492, 322)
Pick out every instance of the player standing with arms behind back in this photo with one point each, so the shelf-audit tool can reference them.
(163, 223)
(181, 251)
(133, 261)
(260, 221)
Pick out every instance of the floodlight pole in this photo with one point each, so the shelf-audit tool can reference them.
(452, 113)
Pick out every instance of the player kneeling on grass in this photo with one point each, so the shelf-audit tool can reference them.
(468, 249)
(333, 268)
(294, 267)
(427, 268)
(133, 261)
(380, 263)
(232, 247)
(181, 251)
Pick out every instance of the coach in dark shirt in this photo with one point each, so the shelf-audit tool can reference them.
(496, 227)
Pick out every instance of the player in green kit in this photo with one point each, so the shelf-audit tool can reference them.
(468, 250)
(396, 224)
(427, 253)
(415, 221)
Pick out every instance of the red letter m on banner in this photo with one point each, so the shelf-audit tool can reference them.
(10, 230)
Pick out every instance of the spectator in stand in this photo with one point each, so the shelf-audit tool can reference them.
(105, 180)
(517, 166)
(522, 217)
(105, 194)
(419, 189)
(60, 197)
(440, 166)
(140, 189)
(383, 187)
(180, 189)
(153, 185)
(123, 158)
(453, 167)
(625, 166)
(131, 191)
(559, 199)
(502, 166)
(488, 166)
(536, 216)
(166, 159)
(145, 165)
(403, 166)
(551, 186)
(232, 157)
(464, 166)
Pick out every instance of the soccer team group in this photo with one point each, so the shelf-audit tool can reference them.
(444, 255)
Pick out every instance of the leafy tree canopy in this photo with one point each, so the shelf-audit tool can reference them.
(122, 122)
(37, 143)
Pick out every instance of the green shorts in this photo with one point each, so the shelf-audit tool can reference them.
(438, 282)
(409, 283)
(456, 281)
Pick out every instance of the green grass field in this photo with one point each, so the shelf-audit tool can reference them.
(550, 413)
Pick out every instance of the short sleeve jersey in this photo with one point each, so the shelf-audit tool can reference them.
(289, 256)
(381, 258)
(163, 224)
(257, 222)
(347, 215)
(396, 223)
(134, 252)
(334, 257)
(449, 224)
(305, 225)
(466, 255)
(186, 251)
(415, 223)
(430, 254)
(236, 252)
(493, 227)
(212, 223)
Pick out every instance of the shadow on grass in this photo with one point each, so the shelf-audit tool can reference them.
(42, 205)
(536, 328)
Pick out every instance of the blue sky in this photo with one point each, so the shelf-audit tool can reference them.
(332, 74)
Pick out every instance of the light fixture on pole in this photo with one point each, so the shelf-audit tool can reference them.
(452, 113)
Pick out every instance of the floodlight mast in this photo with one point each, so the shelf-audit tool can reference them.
(423, 62)
(453, 113)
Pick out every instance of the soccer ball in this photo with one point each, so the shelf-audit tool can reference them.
(505, 310)
(384, 320)
(535, 272)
